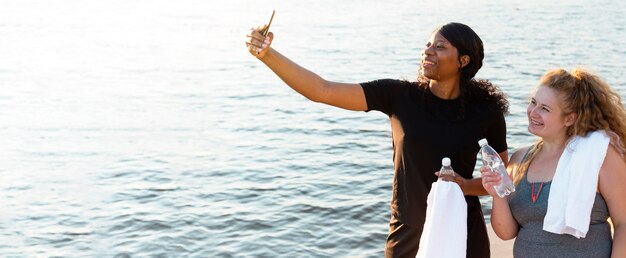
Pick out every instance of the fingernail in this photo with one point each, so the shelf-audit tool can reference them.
(267, 40)
(264, 45)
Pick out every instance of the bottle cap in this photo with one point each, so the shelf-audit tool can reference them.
(482, 142)
(445, 162)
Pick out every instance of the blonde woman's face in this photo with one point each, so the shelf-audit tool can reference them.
(545, 116)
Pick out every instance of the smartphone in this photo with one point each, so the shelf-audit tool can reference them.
(267, 29)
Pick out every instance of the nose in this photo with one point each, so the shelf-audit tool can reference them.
(427, 51)
(532, 111)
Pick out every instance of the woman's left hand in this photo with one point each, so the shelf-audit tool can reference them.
(458, 179)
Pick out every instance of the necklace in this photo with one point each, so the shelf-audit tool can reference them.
(532, 191)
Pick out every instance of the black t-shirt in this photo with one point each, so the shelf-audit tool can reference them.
(426, 129)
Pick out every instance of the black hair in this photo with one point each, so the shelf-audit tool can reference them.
(467, 42)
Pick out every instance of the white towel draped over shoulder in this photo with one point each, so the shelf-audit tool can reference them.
(574, 185)
(445, 229)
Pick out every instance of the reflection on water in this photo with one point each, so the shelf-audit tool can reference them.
(143, 128)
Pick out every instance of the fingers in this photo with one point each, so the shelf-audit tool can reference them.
(485, 169)
(456, 178)
(254, 39)
(256, 33)
(448, 178)
(489, 180)
(255, 36)
(256, 43)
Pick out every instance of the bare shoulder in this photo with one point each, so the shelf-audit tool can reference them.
(516, 159)
(613, 168)
(611, 183)
(519, 154)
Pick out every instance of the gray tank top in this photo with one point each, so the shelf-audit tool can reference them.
(533, 241)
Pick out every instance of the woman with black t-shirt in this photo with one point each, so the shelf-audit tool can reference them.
(443, 114)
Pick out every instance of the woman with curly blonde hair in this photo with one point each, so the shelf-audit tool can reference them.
(572, 179)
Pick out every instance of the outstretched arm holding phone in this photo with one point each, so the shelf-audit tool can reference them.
(420, 124)
(312, 86)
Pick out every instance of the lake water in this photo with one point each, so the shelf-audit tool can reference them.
(144, 128)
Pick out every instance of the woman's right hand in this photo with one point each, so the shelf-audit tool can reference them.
(257, 44)
(490, 179)
(310, 85)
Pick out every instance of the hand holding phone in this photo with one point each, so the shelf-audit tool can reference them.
(258, 44)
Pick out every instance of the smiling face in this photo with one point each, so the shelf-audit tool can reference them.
(440, 59)
(546, 118)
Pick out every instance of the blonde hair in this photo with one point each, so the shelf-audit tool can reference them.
(596, 105)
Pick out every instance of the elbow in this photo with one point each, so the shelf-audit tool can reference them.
(505, 237)
(504, 233)
(322, 93)
(315, 99)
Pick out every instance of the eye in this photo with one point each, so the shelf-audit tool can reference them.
(440, 46)
(545, 109)
(533, 102)
(428, 44)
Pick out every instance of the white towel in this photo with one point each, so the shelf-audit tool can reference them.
(445, 229)
(574, 185)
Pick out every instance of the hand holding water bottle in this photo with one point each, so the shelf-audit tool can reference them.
(446, 173)
(490, 180)
(492, 163)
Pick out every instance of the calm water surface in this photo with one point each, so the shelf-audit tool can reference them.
(144, 129)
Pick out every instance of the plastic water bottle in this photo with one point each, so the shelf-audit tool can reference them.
(446, 169)
(492, 159)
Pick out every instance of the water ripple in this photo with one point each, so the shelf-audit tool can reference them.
(166, 139)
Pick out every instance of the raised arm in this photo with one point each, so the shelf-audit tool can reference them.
(312, 86)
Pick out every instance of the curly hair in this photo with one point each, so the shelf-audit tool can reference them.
(596, 105)
(467, 42)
